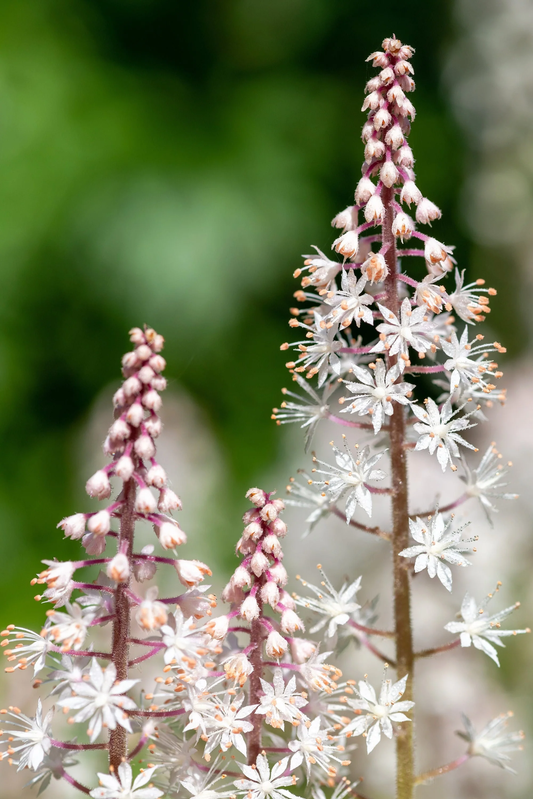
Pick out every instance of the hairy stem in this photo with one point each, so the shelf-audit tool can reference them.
(400, 531)
(257, 633)
(118, 745)
(436, 772)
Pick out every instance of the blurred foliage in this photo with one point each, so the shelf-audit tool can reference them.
(168, 162)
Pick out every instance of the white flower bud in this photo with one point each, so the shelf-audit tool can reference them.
(135, 414)
(367, 131)
(73, 526)
(152, 400)
(372, 101)
(191, 572)
(301, 650)
(382, 119)
(98, 485)
(345, 219)
(137, 335)
(94, 544)
(279, 527)
(218, 628)
(404, 156)
(171, 535)
(403, 226)
(374, 209)
(238, 667)
(157, 362)
(389, 174)
(287, 600)
(407, 109)
(395, 137)
(153, 426)
(124, 468)
(159, 383)
(427, 212)
(407, 83)
(144, 447)
(403, 68)
(386, 75)
(99, 523)
(278, 573)
(242, 577)
(411, 194)
(156, 476)
(119, 430)
(130, 360)
(271, 545)
(276, 645)
(396, 95)
(143, 352)
(253, 530)
(151, 615)
(119, 398)
(259, 563)
(250, 608)
(374, 148)
(131, 387)
(347, 244)
(269, 512)
(232, 594)
(375, 268)
(290, 622)
(169, 501)
(364, 191)
(118, 569)
(158, 343)
(270, 593)
(245, 546)
(278, 504)
(256, 496)
(434, 251)
(146, 374)
(373, 84)
(145, 502)
(250, 516)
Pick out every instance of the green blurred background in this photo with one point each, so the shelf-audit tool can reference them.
(168, 162)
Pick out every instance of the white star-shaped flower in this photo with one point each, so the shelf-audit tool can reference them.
(28, 737)
(412, 330)
(314, 746)
(182, 641)
(375, 392)
(350, 304)
(485, 481)
(122, 786)
(308, 410)
(334, 608)
(226, 724)
(437, 542)
(280, 702)
(318, 355)
(262, 783)
(493, 742)
(29, 647)
(468, 364)
(377, 714)
(308, 497)
(439, 431)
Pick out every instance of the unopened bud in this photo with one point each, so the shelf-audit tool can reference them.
(145, 502)
(171, 535)
(99, 523)
(250, 608)
(276, 645)
(118, 569)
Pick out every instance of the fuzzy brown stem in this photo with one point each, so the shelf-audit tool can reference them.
(400, 530)
(257, 633)
(118, 744)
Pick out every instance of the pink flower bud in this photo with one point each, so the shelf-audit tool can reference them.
(372, 101)
(253, 530)
(169, 501)
(279, 527)
(375, 268)
(374, 148)
(271, 545)
(157, 362)
(386, 76)
(144, 447)
(374, 209)
(389, 174)
(278, 573)
(130, 360)
(119, 398)
(152, 401)
(427, 212)
(94, 544)
(118, 569)
(345, 219)
(259, 563)
(131, 387)
(382, 119)
(373, 84)
(156, 476)
(269, 512)
(290, 622)
(153, 426)
(146, 374)
(98, 485)
(250, 516)
(367, 131)
(403, 226)
(135, 414)
(124, 468)
(301, 650)
(364, 191)
(232, 594)
(119, 430)
(143, 352)
(278, 504)
(137, 335)
(411, 194)
(159, 383)
(218, 628)
(347, 244)
(242, 577)
(245, 546)
(270, 593)
(99, 523)
(171, 535)
(145, 502)
(395, 138)
(256, 497)
(287, 600)
(191, 572)
(158, 343)
(250, 608)
(404, 156)
(73, 526)
(276, 645)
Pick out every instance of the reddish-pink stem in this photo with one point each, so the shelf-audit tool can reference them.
(436, 772)
(426, 653)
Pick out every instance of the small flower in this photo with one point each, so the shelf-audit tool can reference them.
(29, 647)
(70, 629)
(350, 304)
(350, 476)
(375, 268)
(376, 390)
(469, 302)
(314, 746)
(118, 568)
(123, 786)
(322, 270)
(226, 725)
(53, 765)
(98, 485)
(320, 356)
(485, 481)
(374, 209)
(345, 220)
(280, 702)
(412, 330)
(334, 608)
(403, 226)
(101, 700)
(427, 212)
(480, 629)
(191, 572)
(30, 737)
(238, 668)
(261, 783)
(182, 640)
(436, 543)
(309, 498)
(276, 645)
(307, 411)
(493, 742)
(73, 526)
(467, 362)
(347, 244)
(378, 713)
(151, 615)
(58, 577)
(439, 431)
(317, 674)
